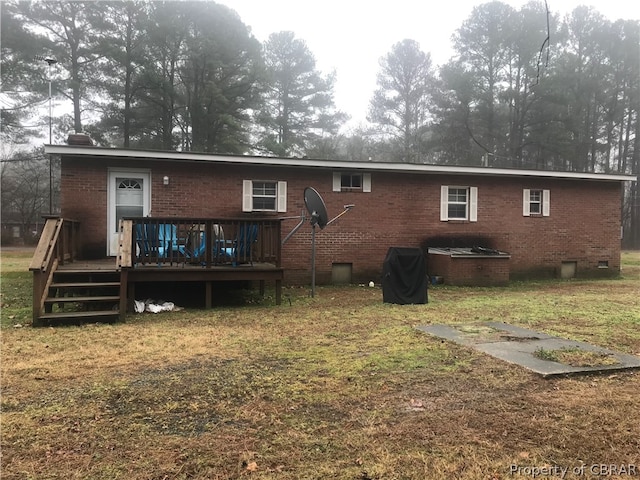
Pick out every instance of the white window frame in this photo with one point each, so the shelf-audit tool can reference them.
(545, 200)
(365, 182)
(471, 214)
(280, 196)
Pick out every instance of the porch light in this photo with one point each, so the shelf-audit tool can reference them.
(165, 180)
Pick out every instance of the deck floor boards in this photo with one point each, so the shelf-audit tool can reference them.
(109, 264)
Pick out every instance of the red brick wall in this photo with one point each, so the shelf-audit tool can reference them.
(469, 271)
(83, 197)
(401, 210)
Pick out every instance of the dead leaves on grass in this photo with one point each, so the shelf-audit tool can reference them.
(416, 405)
(251, 467)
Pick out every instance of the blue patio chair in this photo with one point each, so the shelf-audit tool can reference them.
(147, 241)
(198, 244)
(168, 244)
(241, 249)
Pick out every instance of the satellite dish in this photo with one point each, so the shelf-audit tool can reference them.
(318, 212)
(316, 207)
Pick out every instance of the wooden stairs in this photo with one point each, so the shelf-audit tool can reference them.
(76, 296)
(67, 291)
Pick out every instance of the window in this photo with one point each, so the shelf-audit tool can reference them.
(351, 182)
(535, 202)
(264, 196)
(129, 199)
(459, 203)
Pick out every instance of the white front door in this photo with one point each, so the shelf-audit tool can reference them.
(129, 195)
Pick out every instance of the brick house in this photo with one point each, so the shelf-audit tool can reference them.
(546, 224)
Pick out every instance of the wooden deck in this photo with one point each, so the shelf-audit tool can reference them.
(260, 272)
(252, 259)
(61, 276)
(110, 264)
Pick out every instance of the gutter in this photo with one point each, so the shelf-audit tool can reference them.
(90, 151)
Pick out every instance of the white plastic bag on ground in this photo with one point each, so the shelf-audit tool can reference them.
(154, 306)
(138, 306)
(160, 307)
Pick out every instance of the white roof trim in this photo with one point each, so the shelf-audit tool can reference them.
(330, 164)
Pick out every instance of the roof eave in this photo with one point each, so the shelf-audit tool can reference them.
(330, 164)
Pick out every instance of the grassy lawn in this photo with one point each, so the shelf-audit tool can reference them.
(339, 386)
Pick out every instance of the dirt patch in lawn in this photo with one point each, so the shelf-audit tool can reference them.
(577, 357)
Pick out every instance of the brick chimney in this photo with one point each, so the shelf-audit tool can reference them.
(79, 139)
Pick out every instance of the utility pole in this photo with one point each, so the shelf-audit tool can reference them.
(50, 61)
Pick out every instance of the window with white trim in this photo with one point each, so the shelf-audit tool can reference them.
(535, 202)
(458, 203)
(351, 182)
(264, 196)
(129, 199)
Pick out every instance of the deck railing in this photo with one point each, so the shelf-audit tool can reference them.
(58, 244)
(207, 242)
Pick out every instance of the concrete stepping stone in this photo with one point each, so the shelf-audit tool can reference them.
(521, 346)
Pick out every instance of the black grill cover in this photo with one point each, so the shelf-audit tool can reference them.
(404, 276)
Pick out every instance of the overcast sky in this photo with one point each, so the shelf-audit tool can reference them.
(350, 36)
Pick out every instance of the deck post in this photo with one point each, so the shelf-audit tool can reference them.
(38, 281)
(278, 292)
(124, 274)
(131, 295)
(208, 299)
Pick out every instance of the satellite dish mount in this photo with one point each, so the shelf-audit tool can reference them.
(317, 217)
